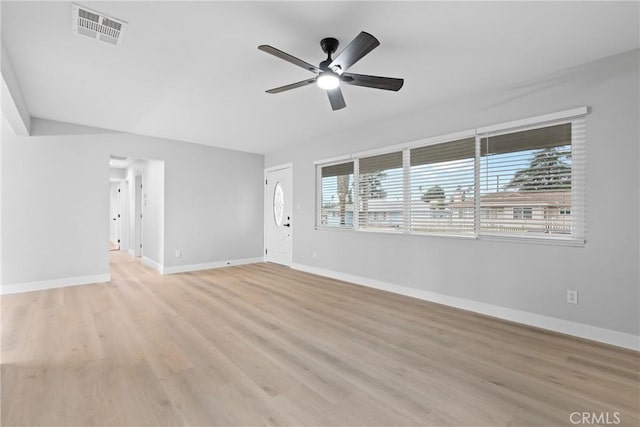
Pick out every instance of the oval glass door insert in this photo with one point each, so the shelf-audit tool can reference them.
(278, 204)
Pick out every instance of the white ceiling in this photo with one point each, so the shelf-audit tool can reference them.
(191, 71)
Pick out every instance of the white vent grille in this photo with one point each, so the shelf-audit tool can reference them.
(93, 24)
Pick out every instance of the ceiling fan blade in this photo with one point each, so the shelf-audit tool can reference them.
(386, 83)
(292, 86)
(289, 58)
(336, 99)
(359, 47)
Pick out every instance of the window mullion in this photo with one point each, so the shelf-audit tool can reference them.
(406, 190)
(476, 189)
(356, 194)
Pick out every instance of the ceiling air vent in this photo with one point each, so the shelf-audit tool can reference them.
(96, 25)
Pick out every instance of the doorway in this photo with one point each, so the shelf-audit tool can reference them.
(140, 226)
(125, 216)
(278, 221)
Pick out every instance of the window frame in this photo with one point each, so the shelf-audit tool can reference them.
(576, 117)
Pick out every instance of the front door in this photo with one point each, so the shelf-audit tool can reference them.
(278, 222)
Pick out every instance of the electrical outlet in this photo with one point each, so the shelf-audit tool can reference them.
(178, 253)
(572, 296)
(314, 254)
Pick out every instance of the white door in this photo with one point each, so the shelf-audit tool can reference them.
(114, 214)
(278, 221)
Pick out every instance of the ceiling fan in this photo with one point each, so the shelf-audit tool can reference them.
(331, 72)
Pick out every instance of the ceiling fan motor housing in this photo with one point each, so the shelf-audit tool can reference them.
(329, 45)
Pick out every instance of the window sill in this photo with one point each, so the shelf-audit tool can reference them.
(496, 237)
(328, 228)
(536, 240)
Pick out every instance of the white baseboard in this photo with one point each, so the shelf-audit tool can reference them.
(131, 252)
(153, 264)
(209, 265)
(52, 284)
(607, 336)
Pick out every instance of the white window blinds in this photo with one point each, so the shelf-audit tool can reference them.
(381, 194)
(336, 195)
(527, 181)
(516, 182)
(442, 187)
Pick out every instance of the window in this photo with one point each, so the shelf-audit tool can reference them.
(381, 193)
(336, 195)
(443, 187)
(518, 180)
(529, 172)
(522, 213)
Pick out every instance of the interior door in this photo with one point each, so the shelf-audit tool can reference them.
(114, 215)
(278, 219)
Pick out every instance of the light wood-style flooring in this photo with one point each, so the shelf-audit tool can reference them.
(266, 345)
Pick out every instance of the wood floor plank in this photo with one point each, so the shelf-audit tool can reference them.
(262, 344)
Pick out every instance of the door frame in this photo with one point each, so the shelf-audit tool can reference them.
(267, 207)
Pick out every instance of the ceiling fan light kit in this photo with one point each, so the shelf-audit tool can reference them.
(327, 80)
(331, 72)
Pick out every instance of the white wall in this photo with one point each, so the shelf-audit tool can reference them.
(212, 201)
(153, 211)
(124, 215)
(117, 174)
(222, 209)
(527, 278)
(3, 124)
(134, 180)
(55, 200)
